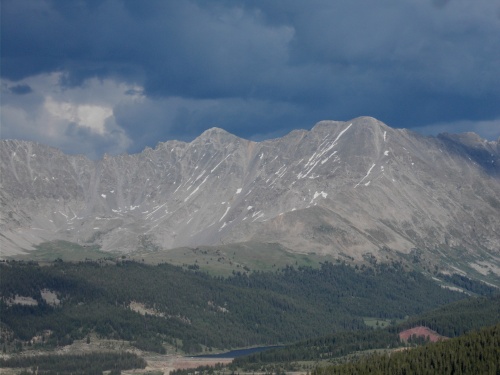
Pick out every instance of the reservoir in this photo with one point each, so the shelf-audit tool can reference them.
(238, 352)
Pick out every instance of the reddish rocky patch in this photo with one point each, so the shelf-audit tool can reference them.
(421, 331)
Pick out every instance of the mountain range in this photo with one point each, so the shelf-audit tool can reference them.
(356, 190)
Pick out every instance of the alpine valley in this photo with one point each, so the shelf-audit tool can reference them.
(358, 191)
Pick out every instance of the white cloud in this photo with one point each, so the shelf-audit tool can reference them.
(91, 116)
(76, 120)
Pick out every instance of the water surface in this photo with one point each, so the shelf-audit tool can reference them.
(238, 352)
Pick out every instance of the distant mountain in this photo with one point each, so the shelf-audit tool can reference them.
(355, 190)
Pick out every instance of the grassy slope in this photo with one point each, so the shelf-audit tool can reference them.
(220, 260)
(64, 250)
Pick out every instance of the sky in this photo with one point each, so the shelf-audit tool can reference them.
(114, 76)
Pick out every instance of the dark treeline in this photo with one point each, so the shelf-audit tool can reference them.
(459, 317)
(474, 286)
(218, 368)
(91, 363)
(382, 291)
(475, 353)
(193, 310)
(331, 346)
(451, 320)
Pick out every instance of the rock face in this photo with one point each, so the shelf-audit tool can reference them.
(353, 189)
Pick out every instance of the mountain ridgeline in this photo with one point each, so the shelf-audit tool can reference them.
(354, 190)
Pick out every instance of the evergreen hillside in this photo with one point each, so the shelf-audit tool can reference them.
(475, 353)
(85, 364)
(459, 317)
(450, 320)
(193, 310)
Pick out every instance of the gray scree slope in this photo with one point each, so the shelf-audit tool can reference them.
(344, 188)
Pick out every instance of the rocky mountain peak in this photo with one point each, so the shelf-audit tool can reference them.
(346, 189)
(364, 122)
(216, 134)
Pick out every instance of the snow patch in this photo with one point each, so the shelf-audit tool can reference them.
(200, 176)
(325, 160)
(212, 171)
(369, 171)
(315, 159)
(156, 208)
(323, 194)
(225, 213)
(197, 188)
(316, 195)
(103, 195)
(238, 190)
(281, 172)
(342, 132)
(257, 215)
(386, 152)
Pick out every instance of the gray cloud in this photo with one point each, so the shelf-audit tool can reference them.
(76, 120)
(440, 3)
(181, 118)
(20, 89)
(486, 129)
(259, 67)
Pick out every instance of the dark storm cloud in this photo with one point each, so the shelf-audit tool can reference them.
(21, 89)
(440, 3)
(257, 67)
(181, 118)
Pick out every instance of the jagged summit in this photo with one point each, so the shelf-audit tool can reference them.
(351, 189)
(215, 133)
(469, 138)
(365, 122)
